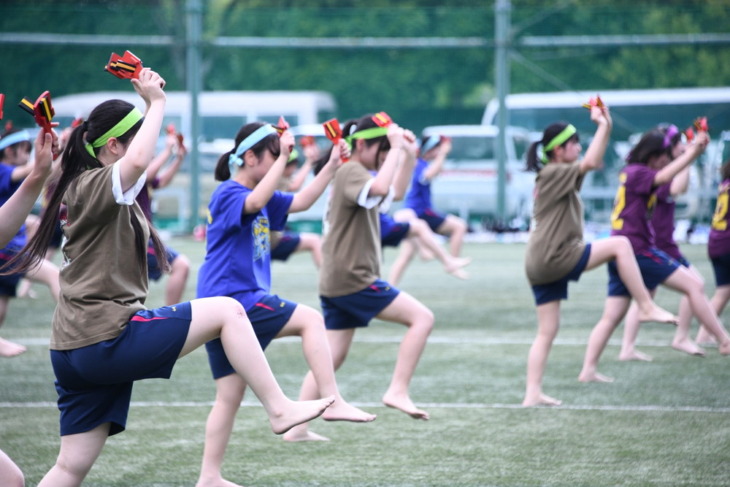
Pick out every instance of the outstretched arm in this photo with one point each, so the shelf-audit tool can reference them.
(437, 165)
(160, 159)
(680, 183)
(141, 149)
(265, 188)
(169, 172)
(593, 158)
(17, 208)
(304, 199)
(694, 150)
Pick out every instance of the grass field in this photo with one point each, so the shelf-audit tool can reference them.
(664, 423)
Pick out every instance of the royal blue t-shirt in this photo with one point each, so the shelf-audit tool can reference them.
(7, 189)
(238, 249)
(419, 195)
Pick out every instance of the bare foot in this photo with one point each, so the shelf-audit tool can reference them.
(425, 254)
(634, 355)
(219, 482)
(594, 377)
(689, 347)
(541, 400)
(306, 435)
(404, 403)
(724, 348)
(459, 273)
(10, 349)
(297, 413)
(704, 338)
(343, 411)
(454, 266)
(658, 315)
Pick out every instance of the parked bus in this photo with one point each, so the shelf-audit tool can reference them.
(633, 112)
(222, 113)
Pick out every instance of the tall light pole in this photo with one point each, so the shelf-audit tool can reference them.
(502, 44)
(194, 81)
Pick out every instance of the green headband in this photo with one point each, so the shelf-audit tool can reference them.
(121, 128)
(558, 140)
(371, 133)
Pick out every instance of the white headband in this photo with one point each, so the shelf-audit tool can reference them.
(14, 138)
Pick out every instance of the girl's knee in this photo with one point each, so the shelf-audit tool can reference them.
(181, 264)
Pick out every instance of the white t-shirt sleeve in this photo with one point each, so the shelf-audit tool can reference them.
(126, 197)
(371, 201)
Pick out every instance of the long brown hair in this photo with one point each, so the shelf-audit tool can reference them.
(76, 160)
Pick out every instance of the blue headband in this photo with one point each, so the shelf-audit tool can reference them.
(431, 142)
(257, 136)
(14, 138)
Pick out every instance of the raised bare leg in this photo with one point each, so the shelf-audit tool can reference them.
(309, 325)
(225, 317)
(619, 248)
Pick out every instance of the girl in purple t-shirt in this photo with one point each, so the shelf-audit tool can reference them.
(718, 249)
(662, 223)
(635, 200)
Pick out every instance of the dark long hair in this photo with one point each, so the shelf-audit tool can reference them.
(651, 144)
(725, 170)
(270, 142)
(533, 162)
(366, 122)
(76, 159)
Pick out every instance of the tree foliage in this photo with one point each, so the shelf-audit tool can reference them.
(418, 86)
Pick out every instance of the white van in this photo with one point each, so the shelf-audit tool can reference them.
(222, 113)
(467, 186)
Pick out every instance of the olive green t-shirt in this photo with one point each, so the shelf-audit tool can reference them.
(556, 241)
(102, 283)
(351, 234)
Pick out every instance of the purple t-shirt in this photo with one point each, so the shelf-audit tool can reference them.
(238, 248)
(633, 206)
(419, 195)
(144, 198)
(719, 242)
(663, 222)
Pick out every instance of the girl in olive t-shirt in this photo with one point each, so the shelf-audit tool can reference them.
(556, 252)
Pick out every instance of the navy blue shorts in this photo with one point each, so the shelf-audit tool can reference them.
(94, 383)
(397, 233)
(287, 245)
(433, 218)
(721, 267)
(357, 309)
(558, 290)
(9, 283)
(153, 266)
(57, 236)
(267, 317)
(655, 266)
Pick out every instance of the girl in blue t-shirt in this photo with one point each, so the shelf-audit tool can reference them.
(647, 169)
(242, 213)
(15, 147)
(433, 153)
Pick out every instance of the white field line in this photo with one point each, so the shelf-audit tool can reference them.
(442, 340)
(577, 407)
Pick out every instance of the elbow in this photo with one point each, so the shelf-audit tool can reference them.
(379, 189)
